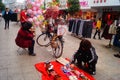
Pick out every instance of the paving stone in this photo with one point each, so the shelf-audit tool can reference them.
(4, 74)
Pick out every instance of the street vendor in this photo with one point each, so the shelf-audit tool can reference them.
(87, 54)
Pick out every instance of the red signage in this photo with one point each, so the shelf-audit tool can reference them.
(99, 1)
(84, 3)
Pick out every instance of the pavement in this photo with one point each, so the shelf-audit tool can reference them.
(21, 67)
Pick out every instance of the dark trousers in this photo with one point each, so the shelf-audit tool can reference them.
(97, 31)
(77, 57)
(6, 23)
(31, 49)
(92, 66)
(22, 23)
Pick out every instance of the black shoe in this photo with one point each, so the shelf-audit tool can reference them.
(117, 55)
(32, 54)
(108, 46)
(99, 38)
(93, 73)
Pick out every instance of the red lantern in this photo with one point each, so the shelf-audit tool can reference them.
(100, 1)
(108, 16)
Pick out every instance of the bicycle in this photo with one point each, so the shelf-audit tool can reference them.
(51, 39)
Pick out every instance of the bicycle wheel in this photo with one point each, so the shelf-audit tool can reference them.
(57, 52)
(43, 39)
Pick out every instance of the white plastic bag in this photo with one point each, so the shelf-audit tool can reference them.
(62, 29)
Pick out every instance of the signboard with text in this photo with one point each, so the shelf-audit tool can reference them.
(63, 4)
(84, 4)
(98, 3)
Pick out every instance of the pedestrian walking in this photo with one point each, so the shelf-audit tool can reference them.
(6, 15)
(98, 28)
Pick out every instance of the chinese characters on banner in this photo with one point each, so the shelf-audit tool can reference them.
(84, 4)
(99, 1)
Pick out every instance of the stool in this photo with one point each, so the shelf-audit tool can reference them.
(23, 51)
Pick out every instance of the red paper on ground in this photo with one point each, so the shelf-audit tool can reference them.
(57, 67)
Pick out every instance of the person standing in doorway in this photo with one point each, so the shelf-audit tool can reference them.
(98, 27)
(6, 17)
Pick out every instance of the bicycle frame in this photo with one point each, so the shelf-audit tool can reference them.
(51, 39)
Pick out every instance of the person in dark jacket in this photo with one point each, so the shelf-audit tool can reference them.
(86, 54)
(25, 37)
(6, 17)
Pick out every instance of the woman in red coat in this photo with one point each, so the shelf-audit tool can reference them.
(25, 37)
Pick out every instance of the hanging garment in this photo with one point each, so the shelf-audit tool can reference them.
(87, 29)
(105, 33)
(112, 29)
(71, 22)
(73, 26)
(81, 28)
(78, 27)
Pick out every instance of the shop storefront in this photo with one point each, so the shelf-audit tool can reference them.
(106, 8)
(109, 10)
(87, 11)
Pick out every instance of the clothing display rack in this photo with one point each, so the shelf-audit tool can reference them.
(81, 28)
